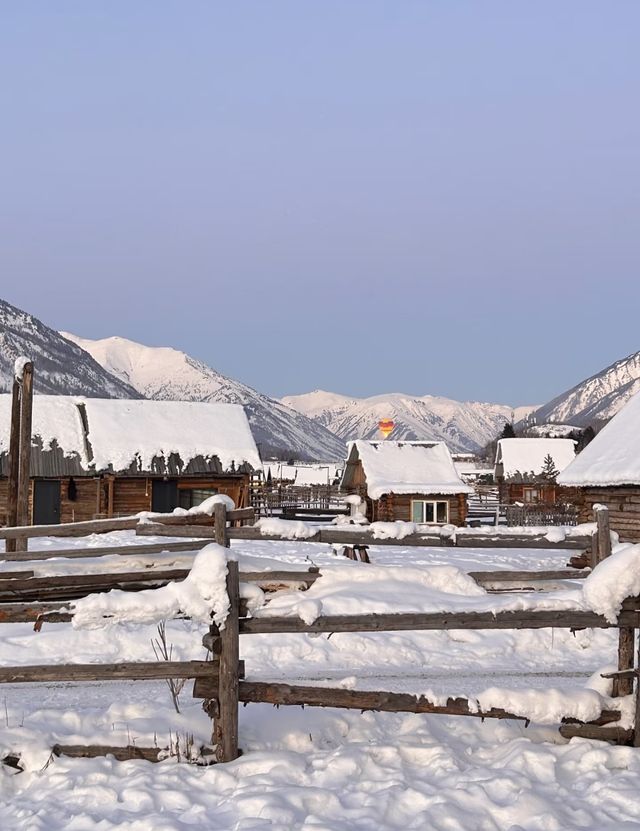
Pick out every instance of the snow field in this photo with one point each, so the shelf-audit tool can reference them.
(313, 768)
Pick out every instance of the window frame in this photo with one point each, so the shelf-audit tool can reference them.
(434, 503)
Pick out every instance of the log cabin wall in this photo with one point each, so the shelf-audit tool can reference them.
(90, 497)
(624, 509)
(392, 506)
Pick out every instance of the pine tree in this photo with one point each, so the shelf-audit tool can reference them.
(508, 432)
(549, 470)
(586, 436)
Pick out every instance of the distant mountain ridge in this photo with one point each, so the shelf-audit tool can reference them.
(168, 374)
(464, 426)
(597, 398)
(61, 367)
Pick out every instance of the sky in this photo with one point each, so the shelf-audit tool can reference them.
(352, 195)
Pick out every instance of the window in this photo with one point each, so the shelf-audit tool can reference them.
(531, 495)
(423, 510)
(190, 497)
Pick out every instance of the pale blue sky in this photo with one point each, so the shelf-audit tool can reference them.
(430, 197)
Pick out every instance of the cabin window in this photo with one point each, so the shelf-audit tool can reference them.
(423, 510)
(190, 497)
(531, 495)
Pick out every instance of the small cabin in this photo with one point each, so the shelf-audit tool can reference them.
(607, 472)
(409, 481)
(109, 457)
(520, 470)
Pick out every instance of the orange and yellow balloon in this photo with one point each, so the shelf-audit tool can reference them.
(386, 426)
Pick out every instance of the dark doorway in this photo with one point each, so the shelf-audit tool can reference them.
(164, 495)
(46, 502)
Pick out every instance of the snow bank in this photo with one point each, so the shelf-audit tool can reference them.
(285, 528)
(612, 581)
(202, 596)
(397, 530)
(208, 506)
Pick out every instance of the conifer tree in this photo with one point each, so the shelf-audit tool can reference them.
(549, 469)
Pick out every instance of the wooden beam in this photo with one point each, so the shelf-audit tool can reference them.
(129, 671)
(617, 735)
(391, 702)
(543, 619)
(603, 533)
(71, 529)
(121, 754)
(105, 551)
(220, 526)
(14, 461)
(226, 724)
(24, 472)
(626, 640)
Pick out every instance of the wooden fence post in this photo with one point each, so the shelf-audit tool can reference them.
(14, 463)
(603, 533)
(626, 641)
(220, 524)
(26, 415)
(226, 728)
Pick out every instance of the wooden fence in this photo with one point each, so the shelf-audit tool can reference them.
(220, 680)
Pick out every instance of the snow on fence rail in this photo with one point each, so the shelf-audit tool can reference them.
(220, 681)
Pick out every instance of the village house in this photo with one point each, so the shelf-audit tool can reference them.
(107, 457)
(403, 480)
(520, 470)
(607, 472)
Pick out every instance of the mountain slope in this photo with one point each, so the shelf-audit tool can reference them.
(465, 426)
(597, 398)
(168, 374)
(61, 367)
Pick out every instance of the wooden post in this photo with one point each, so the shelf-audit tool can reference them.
(14, 463)
(220, 524)
(601, 516)
(26, 415)
(226, 726)
(624, 686)
(636, 725)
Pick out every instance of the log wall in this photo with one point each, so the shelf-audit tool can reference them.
(624, 509)
(393, 506)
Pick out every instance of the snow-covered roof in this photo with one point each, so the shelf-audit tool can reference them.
(407, 467)
(121, 432)
(55, 419)
(613, 456)
(528, 455)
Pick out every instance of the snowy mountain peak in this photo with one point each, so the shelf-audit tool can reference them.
(464, 426)
(597, 398)
(61, 367)
(168, 374)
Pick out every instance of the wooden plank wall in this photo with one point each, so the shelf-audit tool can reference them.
(624, 509)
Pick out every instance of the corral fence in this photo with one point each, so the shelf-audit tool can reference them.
(220, 682)
(540, 515)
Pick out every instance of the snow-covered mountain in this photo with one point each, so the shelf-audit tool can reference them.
(465, 426)
(168, 374)
(61, 367)
(596, 399)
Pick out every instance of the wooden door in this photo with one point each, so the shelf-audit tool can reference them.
(46, 502)
(164, 495)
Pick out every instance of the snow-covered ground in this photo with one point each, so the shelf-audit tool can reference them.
(312, 768)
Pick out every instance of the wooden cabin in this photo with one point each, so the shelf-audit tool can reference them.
(409, 481)
(520, 470)
(607, 472)
(107, 457)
